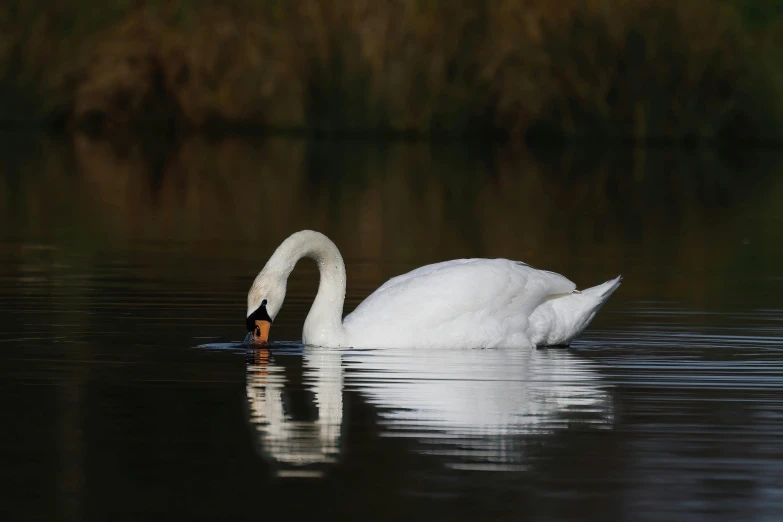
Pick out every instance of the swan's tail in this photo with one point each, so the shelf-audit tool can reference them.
(604, 290)
(559, 319)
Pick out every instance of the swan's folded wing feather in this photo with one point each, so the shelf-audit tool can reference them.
(422, 271)
(434, 295)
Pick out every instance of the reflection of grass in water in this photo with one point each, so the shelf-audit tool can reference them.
(757, 238)
(407, 204)
(346, 169)
(641, 69)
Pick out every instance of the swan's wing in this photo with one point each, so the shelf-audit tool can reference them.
(479, 291)
(421, 271)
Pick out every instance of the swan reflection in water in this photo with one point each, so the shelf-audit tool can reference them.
(297, 429)
(473, 408)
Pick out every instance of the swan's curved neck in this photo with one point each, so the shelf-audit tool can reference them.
(324, 324)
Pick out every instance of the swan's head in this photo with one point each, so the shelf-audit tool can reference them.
(264, 301)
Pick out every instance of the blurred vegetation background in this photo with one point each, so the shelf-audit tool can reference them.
(628, 70)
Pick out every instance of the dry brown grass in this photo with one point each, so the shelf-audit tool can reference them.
(638, 69)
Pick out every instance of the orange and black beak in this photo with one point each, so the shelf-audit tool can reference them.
(258, 325)
(261, 333)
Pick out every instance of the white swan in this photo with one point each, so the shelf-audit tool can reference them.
(464, 303)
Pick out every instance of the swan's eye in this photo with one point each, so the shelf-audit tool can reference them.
(263, 303)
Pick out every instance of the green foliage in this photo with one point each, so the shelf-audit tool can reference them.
(759, 13)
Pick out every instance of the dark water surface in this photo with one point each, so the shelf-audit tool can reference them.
(123, 275)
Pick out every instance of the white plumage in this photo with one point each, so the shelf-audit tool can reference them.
(464, 303)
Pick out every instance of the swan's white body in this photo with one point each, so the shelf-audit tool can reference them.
(465, 303)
